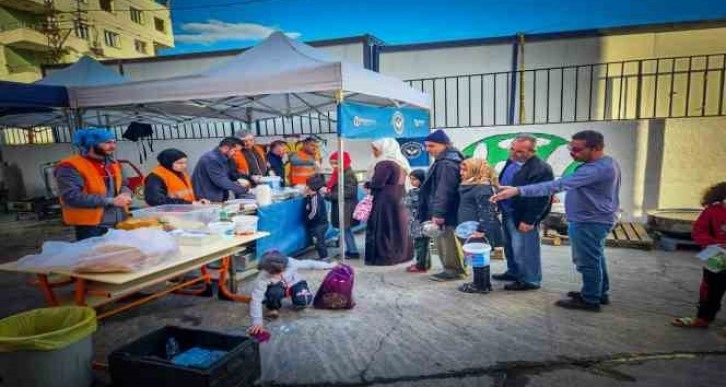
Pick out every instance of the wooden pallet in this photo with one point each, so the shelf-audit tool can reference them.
(625, 235)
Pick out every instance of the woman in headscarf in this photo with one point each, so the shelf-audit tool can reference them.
(169, 182)
(350, 199)
(387, 238)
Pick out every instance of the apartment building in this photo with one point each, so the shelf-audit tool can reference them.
(41, 32)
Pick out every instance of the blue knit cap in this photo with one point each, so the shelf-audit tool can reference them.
(86, 139)
(439, 136)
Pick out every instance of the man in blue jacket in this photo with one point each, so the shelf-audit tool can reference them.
(591, 207)
(521, 216)
(214, 176)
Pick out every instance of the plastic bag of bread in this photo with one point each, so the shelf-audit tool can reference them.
(118, 251)
(133, 223)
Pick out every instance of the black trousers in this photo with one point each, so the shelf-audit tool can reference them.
(85, 232)
(713, 286)
(318, 233)
(299, 293)
(423, 255)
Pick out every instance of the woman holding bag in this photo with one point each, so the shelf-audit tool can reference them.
(387, 237)
(350, 199)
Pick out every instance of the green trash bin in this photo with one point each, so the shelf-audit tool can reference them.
(47, 347)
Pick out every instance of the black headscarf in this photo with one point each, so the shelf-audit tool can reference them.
(169, 156)
(419, 175)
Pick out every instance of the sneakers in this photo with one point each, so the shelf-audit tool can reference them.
(415, 269)
(446, 276)
(469, 287)
(504, 277)
(603, 301)
(578, 303)
(520, 286)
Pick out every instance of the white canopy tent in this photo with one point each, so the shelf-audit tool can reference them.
(280, 77)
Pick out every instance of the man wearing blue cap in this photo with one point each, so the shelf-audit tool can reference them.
(92, 193)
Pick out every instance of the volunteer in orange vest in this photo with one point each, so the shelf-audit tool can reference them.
(169, 182)
(92, 194)
(250, 161)
(302, 163)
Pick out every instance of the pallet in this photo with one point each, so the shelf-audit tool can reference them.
(625, 235)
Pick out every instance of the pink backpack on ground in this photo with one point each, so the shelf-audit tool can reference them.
(336, 291)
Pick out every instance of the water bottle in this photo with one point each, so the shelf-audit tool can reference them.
(172, 348)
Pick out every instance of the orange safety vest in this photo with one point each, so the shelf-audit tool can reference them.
(241, 162)
(176, 187)
(93, 184)
(299, 174)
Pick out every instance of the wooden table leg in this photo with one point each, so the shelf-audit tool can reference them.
(47, 290)
(80, 292)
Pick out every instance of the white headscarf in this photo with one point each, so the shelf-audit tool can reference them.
(390, 151)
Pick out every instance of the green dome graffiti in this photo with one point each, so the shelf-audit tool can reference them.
(550, 148)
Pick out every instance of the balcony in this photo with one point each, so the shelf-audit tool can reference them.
(33, 6)
(27, 36)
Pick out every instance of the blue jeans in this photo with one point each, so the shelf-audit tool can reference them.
(350, 246)
(588, 254)
(524, 258)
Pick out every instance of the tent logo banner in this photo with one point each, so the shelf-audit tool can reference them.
(370, 122)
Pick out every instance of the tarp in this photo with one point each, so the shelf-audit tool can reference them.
(278, 77)
(27, 98)
(358, 121)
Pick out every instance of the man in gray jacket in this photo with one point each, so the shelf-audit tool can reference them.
(214, 174)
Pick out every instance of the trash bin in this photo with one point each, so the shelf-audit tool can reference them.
(47, 347)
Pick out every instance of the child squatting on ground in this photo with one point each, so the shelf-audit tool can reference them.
(279, 279)
(708, 230)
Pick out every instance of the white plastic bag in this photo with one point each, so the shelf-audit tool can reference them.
(118, 251)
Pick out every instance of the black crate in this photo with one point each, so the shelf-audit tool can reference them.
(143, 362)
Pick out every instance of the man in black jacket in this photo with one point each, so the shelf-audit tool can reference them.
(522, 215)
(439, 203)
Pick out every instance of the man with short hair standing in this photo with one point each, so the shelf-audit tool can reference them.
(303, 164)
(591, 207)
(213, 176)
(522, 215)
(439, 203)
(250, 161)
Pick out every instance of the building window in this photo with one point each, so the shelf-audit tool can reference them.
(82, 31)
(140, 46)
(112, 39)
(107, 5)
(136, 16)
(159, 24)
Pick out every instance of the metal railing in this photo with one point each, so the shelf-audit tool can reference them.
(675, 87)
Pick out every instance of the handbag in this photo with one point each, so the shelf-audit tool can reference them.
(363, 209)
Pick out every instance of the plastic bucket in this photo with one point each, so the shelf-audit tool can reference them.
(477, 254)
(47, 348)
(272, 181)
(245, 224)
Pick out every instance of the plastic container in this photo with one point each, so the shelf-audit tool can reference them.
(47, 347)
(194, 238)
(245, 224)
(145, 362)
(181, 216)
(221, 228)
(477, 253)
(272, 181)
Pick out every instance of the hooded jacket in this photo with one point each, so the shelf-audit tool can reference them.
(440, 191)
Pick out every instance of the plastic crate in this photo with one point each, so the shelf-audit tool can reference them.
(143, 362)
(184, 213)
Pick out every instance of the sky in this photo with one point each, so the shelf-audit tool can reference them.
(211, 25)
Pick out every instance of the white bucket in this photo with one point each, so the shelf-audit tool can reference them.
(477, 254)
(245, 224)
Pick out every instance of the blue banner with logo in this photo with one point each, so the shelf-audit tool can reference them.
(414, 150)
(358, 121)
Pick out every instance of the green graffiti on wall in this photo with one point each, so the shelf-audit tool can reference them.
(550, 148)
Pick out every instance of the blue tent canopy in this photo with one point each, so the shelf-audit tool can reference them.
(20, 97)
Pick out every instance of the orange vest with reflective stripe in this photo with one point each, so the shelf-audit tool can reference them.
(241, 161)
(176, 187)
(299, 174)
(93, 184)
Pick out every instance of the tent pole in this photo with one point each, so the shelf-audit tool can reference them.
(341, 182)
